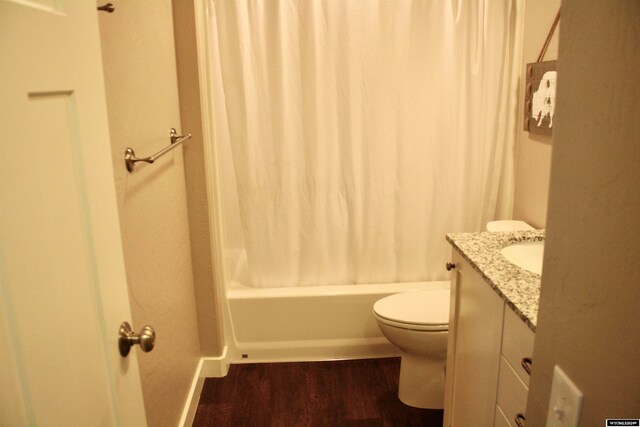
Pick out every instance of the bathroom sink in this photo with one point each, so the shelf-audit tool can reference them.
(527, 255)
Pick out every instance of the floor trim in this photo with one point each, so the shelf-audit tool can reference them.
(207, 367)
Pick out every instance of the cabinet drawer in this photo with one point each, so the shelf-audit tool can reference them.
(512, 392)
(517, 343)
(500, 420)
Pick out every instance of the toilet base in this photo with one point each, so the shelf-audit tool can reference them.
(421, 383)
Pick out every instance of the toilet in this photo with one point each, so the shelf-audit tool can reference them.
(417, 322)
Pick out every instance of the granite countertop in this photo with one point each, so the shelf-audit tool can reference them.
(519, 288)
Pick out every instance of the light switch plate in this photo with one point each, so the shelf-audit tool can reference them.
(565, 402)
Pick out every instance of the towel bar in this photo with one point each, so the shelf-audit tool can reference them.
(130, 158)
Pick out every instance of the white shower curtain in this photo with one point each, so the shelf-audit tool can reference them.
(362, 131)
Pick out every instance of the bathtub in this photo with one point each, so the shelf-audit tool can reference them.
(309, 323)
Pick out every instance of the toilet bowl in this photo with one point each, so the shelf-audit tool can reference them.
(417, 322)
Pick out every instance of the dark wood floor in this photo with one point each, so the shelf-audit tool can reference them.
(337, 393)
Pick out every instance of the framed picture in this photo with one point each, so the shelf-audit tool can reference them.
(540, 97)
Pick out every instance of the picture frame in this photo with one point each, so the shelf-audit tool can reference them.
(540, 97)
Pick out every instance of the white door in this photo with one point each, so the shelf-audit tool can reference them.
(63, 288)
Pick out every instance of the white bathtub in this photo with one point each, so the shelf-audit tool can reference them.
(309, 323)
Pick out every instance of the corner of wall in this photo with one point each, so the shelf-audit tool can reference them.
(533, 152)
(208, 307)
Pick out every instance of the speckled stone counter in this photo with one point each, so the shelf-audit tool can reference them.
(519, 288)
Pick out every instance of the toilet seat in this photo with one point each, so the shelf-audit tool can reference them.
(415, 310)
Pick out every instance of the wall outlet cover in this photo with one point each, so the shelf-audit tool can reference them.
(565, 402)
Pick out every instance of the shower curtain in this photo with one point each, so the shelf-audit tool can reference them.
(363, 131)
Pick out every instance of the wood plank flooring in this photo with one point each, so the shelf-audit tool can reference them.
(336, 393)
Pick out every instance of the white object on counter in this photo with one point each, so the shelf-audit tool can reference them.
(508, 225)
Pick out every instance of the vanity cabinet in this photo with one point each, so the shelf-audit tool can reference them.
(486, 384)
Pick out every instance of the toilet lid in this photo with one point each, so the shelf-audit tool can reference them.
(425, 309)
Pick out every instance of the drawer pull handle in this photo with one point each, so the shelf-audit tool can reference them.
(526, 363)
(520, 419)
(450, 266)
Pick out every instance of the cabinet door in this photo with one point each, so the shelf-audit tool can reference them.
(474, 348)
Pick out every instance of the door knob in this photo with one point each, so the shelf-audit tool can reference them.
(127, 338)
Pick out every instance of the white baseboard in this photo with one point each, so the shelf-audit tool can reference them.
(207, 367)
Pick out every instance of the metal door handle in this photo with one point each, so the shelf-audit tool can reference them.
(526, 364)
(127, 338)
(520, 419)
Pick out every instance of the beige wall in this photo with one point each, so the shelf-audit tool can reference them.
(209, 317)
(142, 98)
(589, 317)
(533, 152)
